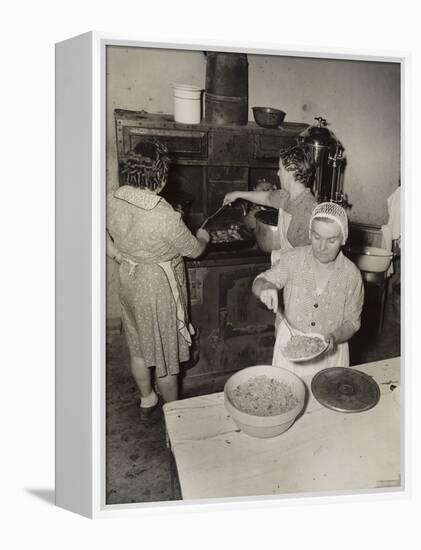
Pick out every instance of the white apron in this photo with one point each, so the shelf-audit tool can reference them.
(284, 219)
(337, 358)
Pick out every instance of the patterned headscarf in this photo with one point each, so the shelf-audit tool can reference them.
(334, 212)
(146, 166)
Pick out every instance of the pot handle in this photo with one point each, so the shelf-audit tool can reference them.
(244, 208)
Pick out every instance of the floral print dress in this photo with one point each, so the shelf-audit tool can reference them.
(149, 232)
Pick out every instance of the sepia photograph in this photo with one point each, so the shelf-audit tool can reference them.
(253, 274)
(210, 275)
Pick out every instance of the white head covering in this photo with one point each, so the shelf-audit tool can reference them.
(334, 212)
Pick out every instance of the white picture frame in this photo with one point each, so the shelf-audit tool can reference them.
(81, 267)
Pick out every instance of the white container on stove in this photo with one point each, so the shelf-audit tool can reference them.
(187, 103)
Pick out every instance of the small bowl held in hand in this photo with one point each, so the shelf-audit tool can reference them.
(267, 117)
(304, 347)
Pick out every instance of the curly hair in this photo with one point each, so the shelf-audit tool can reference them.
(146, 166)
(299, 161)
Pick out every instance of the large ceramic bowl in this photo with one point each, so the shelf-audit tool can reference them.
(264, 426)
(370, 258)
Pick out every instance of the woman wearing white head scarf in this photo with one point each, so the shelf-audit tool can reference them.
(323, 291)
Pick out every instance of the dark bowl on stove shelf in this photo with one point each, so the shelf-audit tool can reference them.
(267, 117)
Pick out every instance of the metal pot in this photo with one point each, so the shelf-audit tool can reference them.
(267, 234)
(371, 259)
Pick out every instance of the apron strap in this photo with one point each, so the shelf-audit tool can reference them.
(284, 219)
(185, 329)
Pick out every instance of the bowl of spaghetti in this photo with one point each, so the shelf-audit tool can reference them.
(304, 347)
(264, 401)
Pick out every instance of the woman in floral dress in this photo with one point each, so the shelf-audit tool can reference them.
(148, 238)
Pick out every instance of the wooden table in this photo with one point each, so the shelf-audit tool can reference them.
(323, 451)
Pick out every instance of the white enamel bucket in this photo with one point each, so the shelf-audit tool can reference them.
(187, 103)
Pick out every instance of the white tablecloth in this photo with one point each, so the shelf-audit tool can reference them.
(323, 451)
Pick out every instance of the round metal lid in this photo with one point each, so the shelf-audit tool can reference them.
(345, 389)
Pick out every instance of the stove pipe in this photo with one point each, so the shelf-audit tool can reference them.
(226, 94)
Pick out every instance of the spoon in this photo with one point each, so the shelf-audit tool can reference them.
(212, 216)
(288, 327)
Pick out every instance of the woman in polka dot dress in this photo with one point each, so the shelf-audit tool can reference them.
(323, 291)
(148, 238)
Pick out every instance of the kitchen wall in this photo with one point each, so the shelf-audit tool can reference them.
(360, 100)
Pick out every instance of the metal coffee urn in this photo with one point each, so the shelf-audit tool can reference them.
(328, 155)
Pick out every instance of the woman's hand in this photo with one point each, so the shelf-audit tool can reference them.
(331, 342)
(269, 296)
(203, 235)
(230, 197)
(118, 257)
